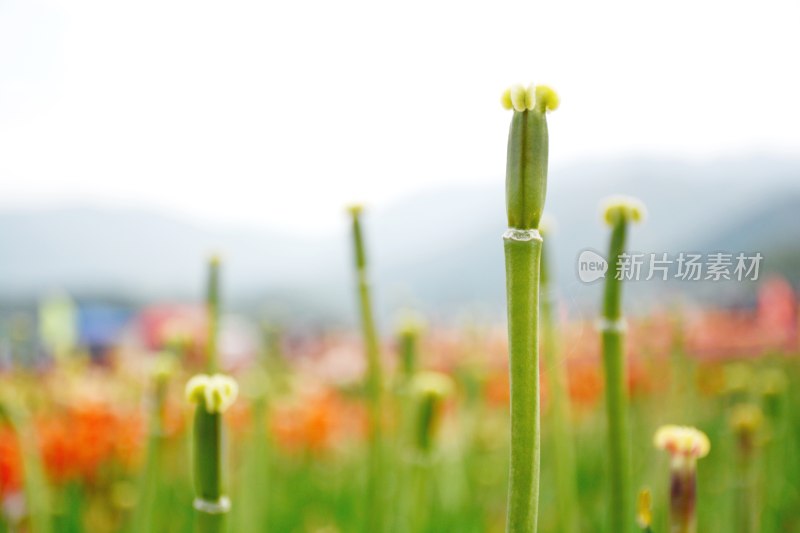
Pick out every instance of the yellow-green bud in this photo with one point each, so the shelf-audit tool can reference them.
(625, 209)
(217, 392)
(545, 98)
(430, 383)
(644, 515)
(746, 419)
(527, 156)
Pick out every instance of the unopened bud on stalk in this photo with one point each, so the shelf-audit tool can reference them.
(216, 392)
(620, 208)
(685, 445)
(429, 390)
(745, 421)
(163, 367)
(358, 236)
(526, 169)
(644, 515)
(408, 334)
(213, 395)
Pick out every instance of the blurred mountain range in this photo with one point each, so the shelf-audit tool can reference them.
(439, 251)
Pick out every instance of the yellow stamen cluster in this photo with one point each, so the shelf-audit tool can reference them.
(217, 392)
(355, 209)
(410, 324)
(539, 97)
(772, 382)
(644, 515)
(433, 384)
(746, 418)
(627, 208)
(164, 366)
(682, 441)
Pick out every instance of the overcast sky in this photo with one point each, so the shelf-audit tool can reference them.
(279, 113)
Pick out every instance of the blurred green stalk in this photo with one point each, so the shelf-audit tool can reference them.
(561, 443)
(526, 183)
(746, 419)
(147, 517)
(374, 522)
(35, 486)
(618, 213)
(213, 311)
(212, 395)
(428, 392)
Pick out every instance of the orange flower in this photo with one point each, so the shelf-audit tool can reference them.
(79, 442)
(317, 422)
(585, 383)
(10, 462)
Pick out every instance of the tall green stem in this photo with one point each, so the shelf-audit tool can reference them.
(619, 448)
(526, 183)
(561, 443)
(374, 382)
(619, 212)
(522, 289)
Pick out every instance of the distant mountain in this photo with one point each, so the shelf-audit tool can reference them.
(439, 251)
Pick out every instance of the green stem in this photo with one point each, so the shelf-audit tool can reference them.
(561, 442)
(408, 341)
(212, 305)
(36, 489)
(621, 509)
(374, 383)
(523, 253)
(146, 518)
(746, 498)
(210, 502)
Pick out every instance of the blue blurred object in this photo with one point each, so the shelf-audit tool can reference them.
(100, 327)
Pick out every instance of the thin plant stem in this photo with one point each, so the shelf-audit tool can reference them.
(146, 518)
(213, 311)
(561, 441)
(374, 522)
(619, 448)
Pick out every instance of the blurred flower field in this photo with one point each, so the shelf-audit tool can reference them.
(104, 446)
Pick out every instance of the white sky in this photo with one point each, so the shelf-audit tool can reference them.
(279, 113)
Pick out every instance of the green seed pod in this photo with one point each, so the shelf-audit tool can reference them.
(358, 237)
(429, 389)
(408, 335)
(526, 167)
